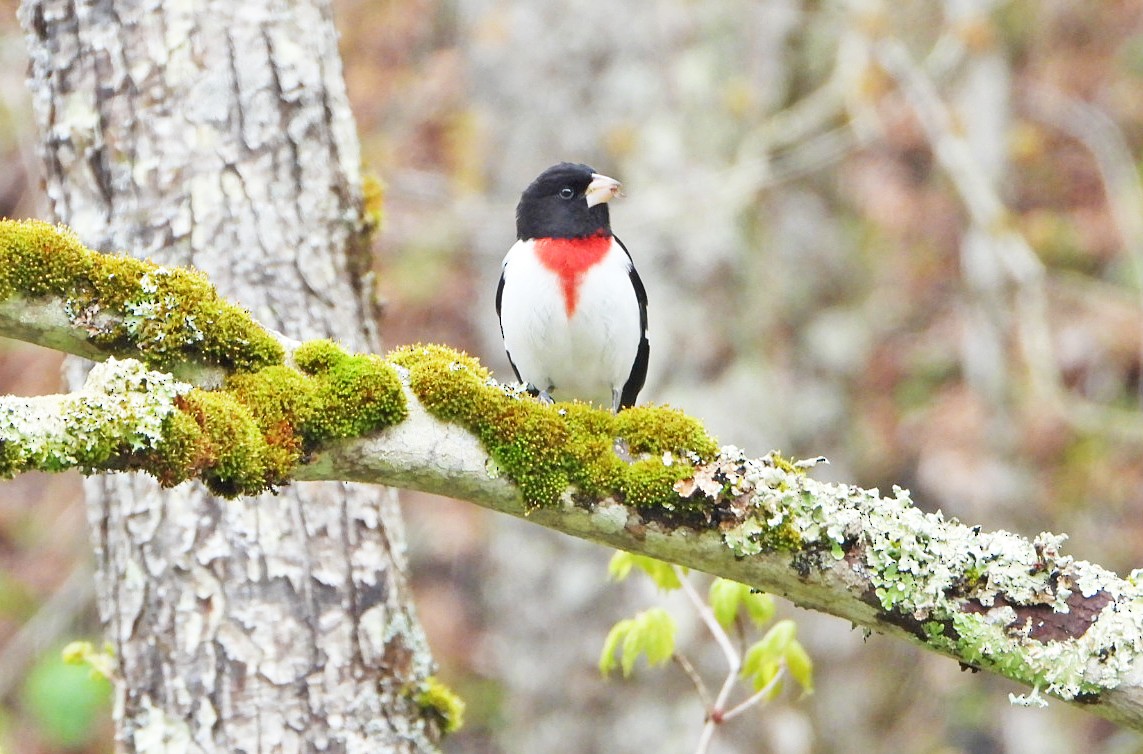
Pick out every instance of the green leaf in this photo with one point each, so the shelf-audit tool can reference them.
(727, 597)
(631, 645)
(659, 636)
(85, 653)
(759, 606)
(756, 656)
(724, 597)
(620, 565)
(763, 660)
(650, 633)
(665, 575)
(779, 637)
(801, 667)
(759, 667)
(607, 657)
(65, 700)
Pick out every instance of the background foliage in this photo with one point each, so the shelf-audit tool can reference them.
(818, 282)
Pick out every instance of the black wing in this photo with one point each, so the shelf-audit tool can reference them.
(499, 296)
(642, 356)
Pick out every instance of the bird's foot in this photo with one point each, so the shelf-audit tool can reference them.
(544, 396)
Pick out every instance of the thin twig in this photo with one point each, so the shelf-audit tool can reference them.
(706, 736)
(733, 660)
(696, 679)
(732, 657)
(715, 715)
(756, 697)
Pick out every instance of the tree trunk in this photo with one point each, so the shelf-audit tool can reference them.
(217, 134)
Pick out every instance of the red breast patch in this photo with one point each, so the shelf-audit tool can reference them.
(570, 258)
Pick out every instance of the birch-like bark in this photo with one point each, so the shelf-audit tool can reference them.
(218, 134)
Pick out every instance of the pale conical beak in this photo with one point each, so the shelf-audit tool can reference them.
(601, 189)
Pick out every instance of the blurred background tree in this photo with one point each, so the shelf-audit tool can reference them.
(941, 293)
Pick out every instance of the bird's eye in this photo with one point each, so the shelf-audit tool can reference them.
(566, 192)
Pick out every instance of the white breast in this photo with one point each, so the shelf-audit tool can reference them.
(586, 356)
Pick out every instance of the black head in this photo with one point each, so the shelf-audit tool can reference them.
(566, 201)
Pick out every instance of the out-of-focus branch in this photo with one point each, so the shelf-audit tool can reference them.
(1092, 128)
(47, 627)
(817, 130)
(1019, 262)
(833, 120)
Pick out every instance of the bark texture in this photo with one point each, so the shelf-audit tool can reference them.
(218, 135)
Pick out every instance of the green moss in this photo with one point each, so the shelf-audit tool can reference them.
(373, 200)
(451, 384)
(231, 452)
(242, 439)
(786, 465)
(545, 449)
(213, 437)
(657, 430)
(88, 458)
(316, 356)
(647, 481)
(354, 393)
(182, 452)
(249, 436)
(441, 702)
(598, 471)
(164, 315)
(282, 402)
(973, 576)
(10, 458)
(784, 537)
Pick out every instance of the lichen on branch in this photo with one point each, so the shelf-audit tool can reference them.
(245, 438)
(121, 409)
(991, 599)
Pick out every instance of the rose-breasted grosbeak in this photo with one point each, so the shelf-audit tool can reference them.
(572, 309)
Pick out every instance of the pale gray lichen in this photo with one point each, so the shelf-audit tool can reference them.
(153, 317)
(609, 519)
(1028, 700)
(122, 405)
(979, 596)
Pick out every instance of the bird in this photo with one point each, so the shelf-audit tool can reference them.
(572, 308)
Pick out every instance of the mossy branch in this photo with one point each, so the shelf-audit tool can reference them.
(648, 480)
(57, 293)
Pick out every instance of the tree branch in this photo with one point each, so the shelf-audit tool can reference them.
(991, 600)
(56, 293)
(647, 481)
